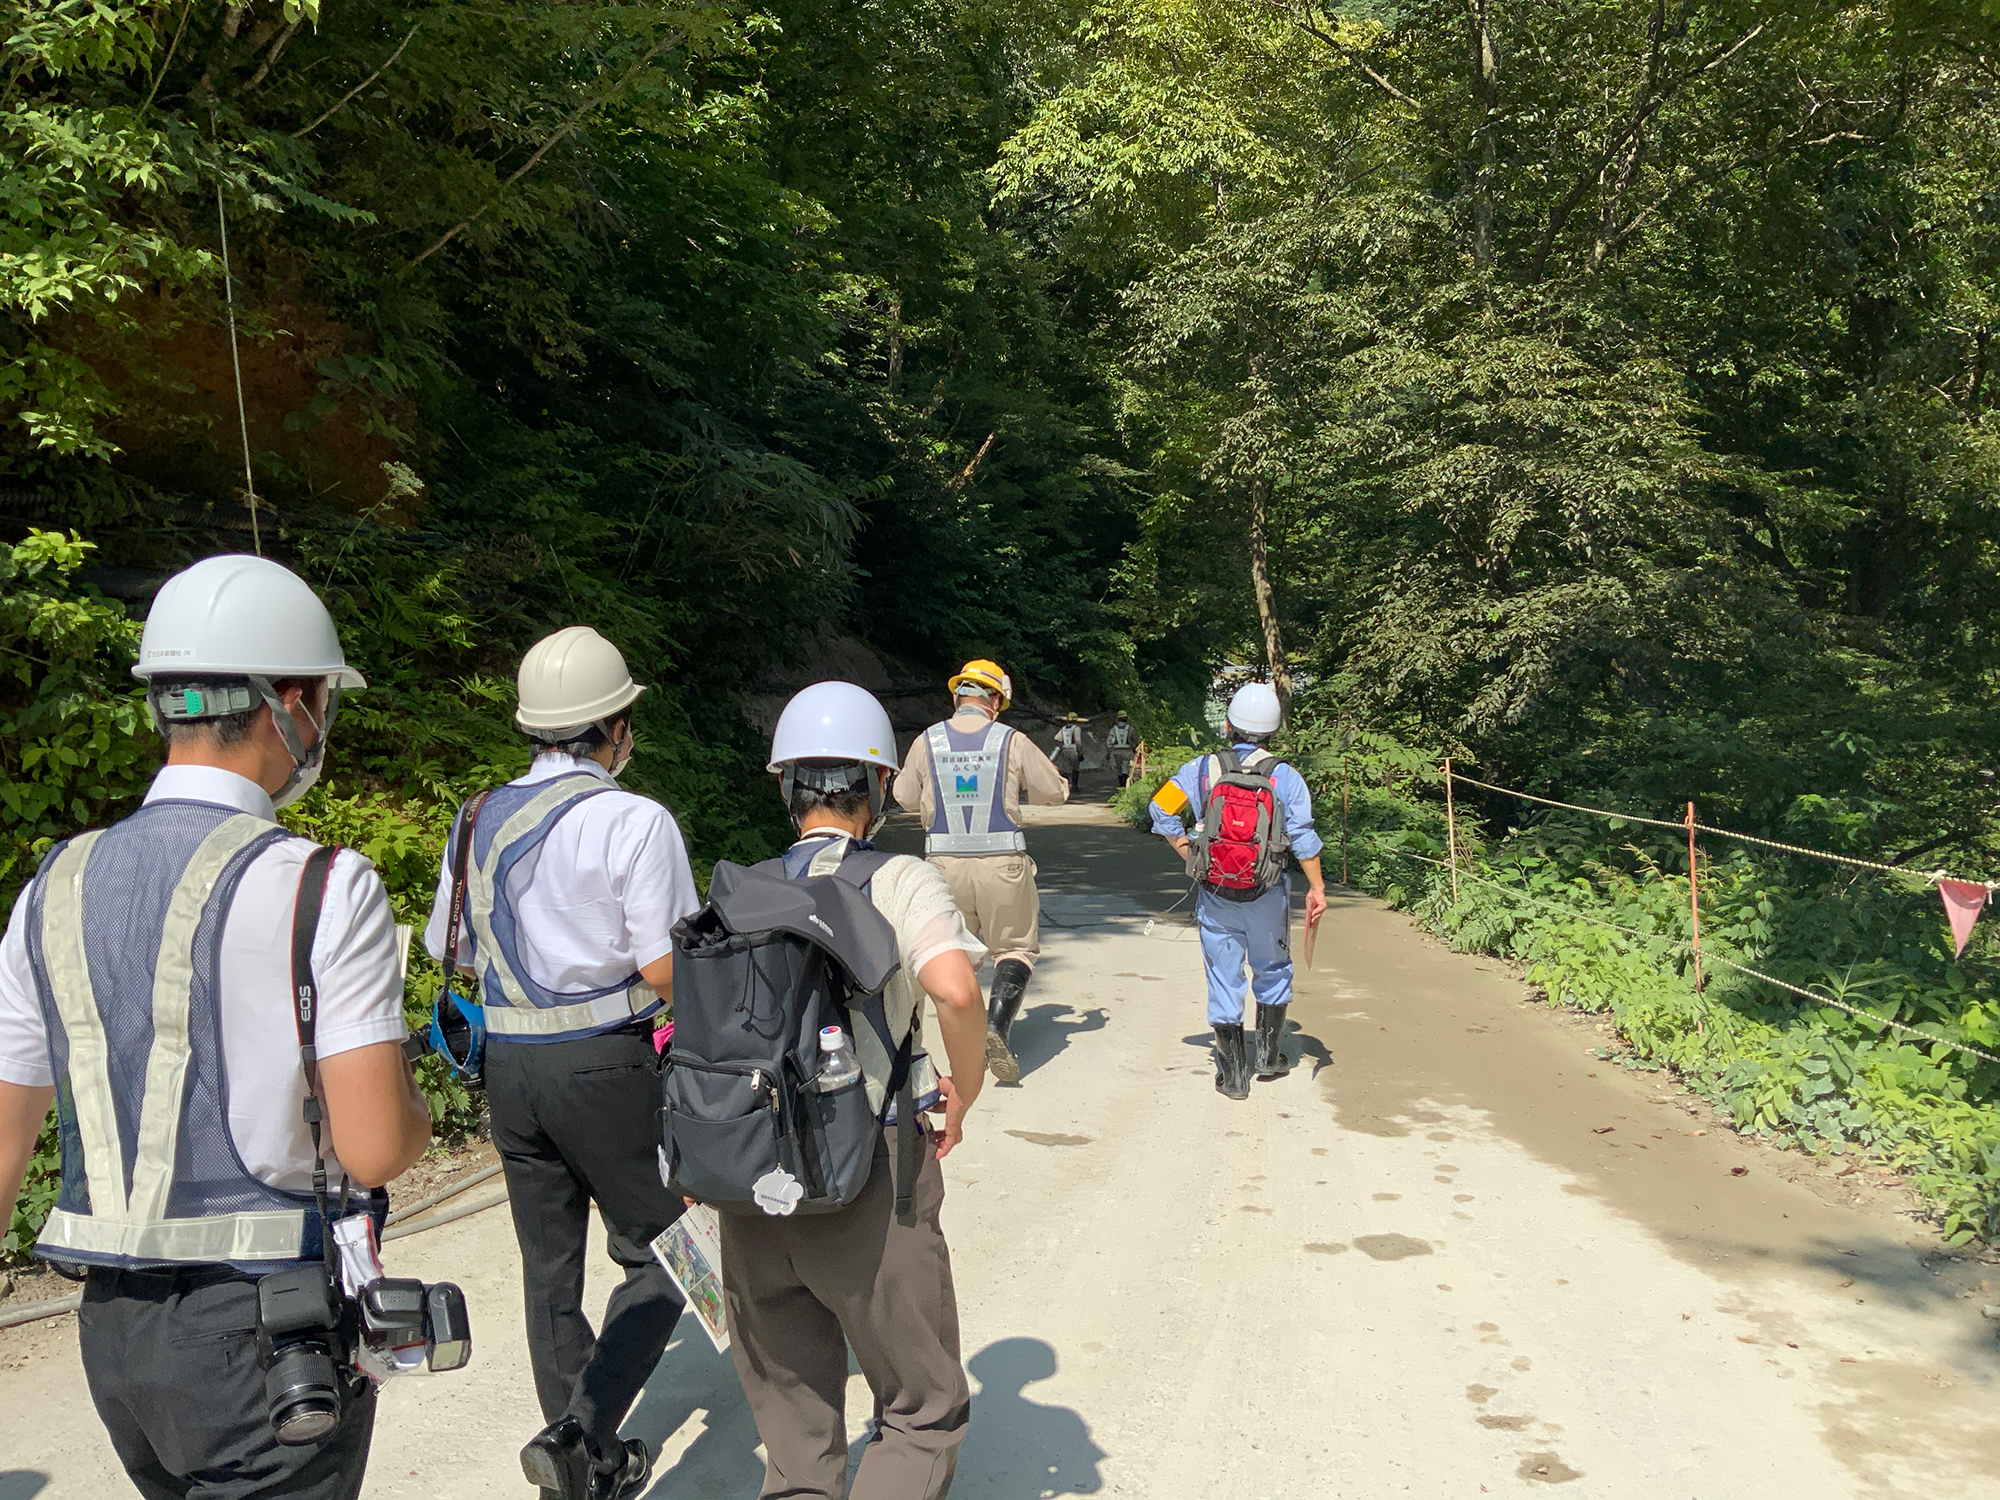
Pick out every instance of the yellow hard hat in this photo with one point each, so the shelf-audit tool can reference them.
(985, 674)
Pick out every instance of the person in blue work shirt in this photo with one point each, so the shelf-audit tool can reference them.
(1252, 924)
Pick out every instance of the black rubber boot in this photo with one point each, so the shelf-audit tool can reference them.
(1271, 1061)
(1010, 986)
(1232, 1063)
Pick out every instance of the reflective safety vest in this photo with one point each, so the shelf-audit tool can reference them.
(1119, 737)
(968, 777)
(125, 942)
(512, 823)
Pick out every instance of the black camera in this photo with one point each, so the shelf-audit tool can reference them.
(311, 1339)
(301, 1338)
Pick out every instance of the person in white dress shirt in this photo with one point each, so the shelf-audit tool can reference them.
(571, 889)
(146, 983)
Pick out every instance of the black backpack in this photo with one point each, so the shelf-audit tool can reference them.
(757, 972)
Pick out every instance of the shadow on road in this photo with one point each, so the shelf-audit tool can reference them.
(1043, 1031)
(1020, 1449)
(721, 1463)
(22, 1484)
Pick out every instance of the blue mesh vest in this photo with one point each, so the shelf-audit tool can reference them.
(125, 941)
(513, 822)
(967, 775)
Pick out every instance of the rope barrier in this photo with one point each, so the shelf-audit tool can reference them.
(1928, 877)
(1816, 996)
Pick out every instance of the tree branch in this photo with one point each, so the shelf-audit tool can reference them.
(671, 39)
(341, 103)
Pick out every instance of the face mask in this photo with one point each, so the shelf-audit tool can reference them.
(621, 756)
(306, 761)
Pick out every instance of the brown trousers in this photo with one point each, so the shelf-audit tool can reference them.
(802, 1290)
(996, 895)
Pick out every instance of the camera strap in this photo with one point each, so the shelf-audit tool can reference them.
(305, 1010)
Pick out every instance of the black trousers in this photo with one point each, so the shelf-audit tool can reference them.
(171, 1358)
(574, 1124)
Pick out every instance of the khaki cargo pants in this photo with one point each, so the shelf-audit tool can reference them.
(997, 897)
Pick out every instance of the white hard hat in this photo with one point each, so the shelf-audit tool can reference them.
(1254, 708)
(834, 721)
(240, 616)
(571, 680)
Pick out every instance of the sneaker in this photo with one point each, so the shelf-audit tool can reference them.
(627, 1482)
(558, 1461)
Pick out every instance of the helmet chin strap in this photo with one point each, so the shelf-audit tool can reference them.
(304, 758)
(832, 779)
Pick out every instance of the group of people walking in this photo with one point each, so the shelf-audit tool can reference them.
(207, 1192)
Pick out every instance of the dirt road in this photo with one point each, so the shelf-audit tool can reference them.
(1454, 1254)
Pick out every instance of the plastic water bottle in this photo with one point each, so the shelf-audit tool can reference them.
(838, 1065)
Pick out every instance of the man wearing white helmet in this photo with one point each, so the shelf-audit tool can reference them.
(804, 1290)
(1250, 810)
(562, 891)
(145, 970)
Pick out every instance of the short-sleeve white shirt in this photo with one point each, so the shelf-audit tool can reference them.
(355, 961)
(598, 900)
(912, 896)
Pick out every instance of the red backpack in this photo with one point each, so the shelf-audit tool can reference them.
(1240, 845)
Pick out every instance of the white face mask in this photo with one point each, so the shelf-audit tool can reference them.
(621, 755)
(306, 762)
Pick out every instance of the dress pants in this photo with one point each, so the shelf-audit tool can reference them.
(804, 1289)
(1234, 933)
(171, 1360)
(574, 1124)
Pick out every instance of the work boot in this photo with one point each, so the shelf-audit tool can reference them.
(1232, 1064)
(629, 1479)
(1271, 1061)
(1010, 986)
(558, 1460)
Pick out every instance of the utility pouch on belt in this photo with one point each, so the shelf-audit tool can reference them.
(757, 973)
(1241, 843)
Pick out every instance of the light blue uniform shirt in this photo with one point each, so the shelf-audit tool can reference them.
(1290, 787)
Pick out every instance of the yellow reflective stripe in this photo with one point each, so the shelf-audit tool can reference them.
(173, 996)
(534, 1020)
(275, 1234)
(481, 894)
(1171, 800)
(89, 1078)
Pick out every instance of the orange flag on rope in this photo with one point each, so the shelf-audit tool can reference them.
(1962, 901)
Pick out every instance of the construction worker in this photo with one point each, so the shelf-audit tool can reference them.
(1120, 740)
(967, 778)
(143, 985)
(1243, 905)
(569, 891)
(1069, 750)
(803, 1290)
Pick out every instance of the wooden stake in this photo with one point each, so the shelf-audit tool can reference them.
(1451, 830)
(1694, 898)
(1343, 822)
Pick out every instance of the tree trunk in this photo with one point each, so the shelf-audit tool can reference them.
(1267, 602)
(1485, 85)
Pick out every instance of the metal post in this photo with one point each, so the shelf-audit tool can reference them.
(1451, 830)
(1694, 898)
(1343, 821)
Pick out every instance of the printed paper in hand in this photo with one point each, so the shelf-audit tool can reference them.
(691, 1250)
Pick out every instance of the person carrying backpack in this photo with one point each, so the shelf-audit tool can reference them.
(1251, 812)
(794, 1101)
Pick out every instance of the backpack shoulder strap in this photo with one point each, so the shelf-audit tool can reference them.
(862, 865)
